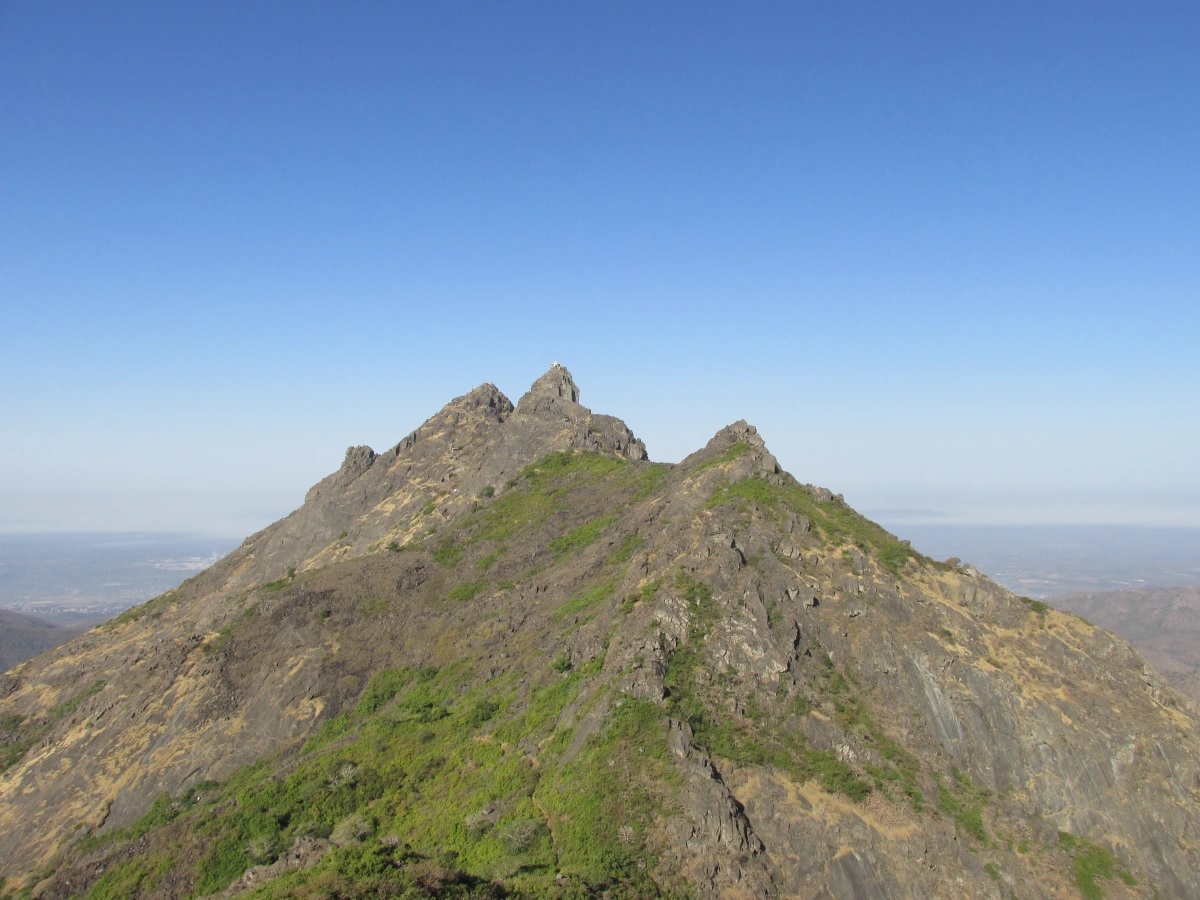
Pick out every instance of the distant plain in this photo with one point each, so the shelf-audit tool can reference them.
(1045, 561)
(78, 578)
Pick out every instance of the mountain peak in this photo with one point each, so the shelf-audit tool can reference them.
(554, 386)
(512, 652)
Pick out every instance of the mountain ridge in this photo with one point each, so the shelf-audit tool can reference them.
(605, 675)
(1162, 622)
(24, 637)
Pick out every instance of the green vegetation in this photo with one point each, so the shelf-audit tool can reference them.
(67, 707)
(1090, 862)
(649, 479)
(630, 544)
(543, 495)
(832, 519)
(535, 495)
(600, 805)
(16, 737)
(736, 450)
(373, 606)
(162, 812)
(514, 512)
(424, 790)
(743, 741)
(894, 554)
(755, 490)
(1036, 605)
(570, 462)
(280, 583)
(448, 552)
(900, 768)
(577, 539)
(468, 590)
(490, 560)
(649, 590)
(153, 607)
(131, 879)
(703, 611)
(964, 802)
(590, 598)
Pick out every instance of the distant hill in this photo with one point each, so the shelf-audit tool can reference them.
(24, 637)
(1163, 623)
(510, 656)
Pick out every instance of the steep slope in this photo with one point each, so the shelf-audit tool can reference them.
(511, 656)
(24, 637)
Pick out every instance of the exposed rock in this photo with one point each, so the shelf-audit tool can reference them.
(765, 694)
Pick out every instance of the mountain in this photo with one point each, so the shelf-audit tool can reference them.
(1162, 622)
(510, 656)
(24, 637)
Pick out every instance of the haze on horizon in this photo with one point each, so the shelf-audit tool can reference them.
(944, 257)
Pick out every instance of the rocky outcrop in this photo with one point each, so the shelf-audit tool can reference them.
(475, 443)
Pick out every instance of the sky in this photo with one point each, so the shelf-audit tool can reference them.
(945, 256)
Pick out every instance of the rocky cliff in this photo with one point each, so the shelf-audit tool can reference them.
(511, 656)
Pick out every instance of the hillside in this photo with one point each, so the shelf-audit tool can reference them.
(1162, 622)
(24, 637)
(510, 656)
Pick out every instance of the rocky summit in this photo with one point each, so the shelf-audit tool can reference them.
(512, 657)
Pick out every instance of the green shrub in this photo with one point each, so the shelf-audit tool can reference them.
(382, 687)
(965, 805)
(447, 552)
(894, 554)
(1091, 861)
(481, 712)
(1036, 606)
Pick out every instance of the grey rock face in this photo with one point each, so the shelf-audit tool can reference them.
(557, 384)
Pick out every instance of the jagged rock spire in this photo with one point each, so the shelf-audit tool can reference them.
(557, 384)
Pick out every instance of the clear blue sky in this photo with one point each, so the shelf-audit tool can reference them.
(946, 256)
